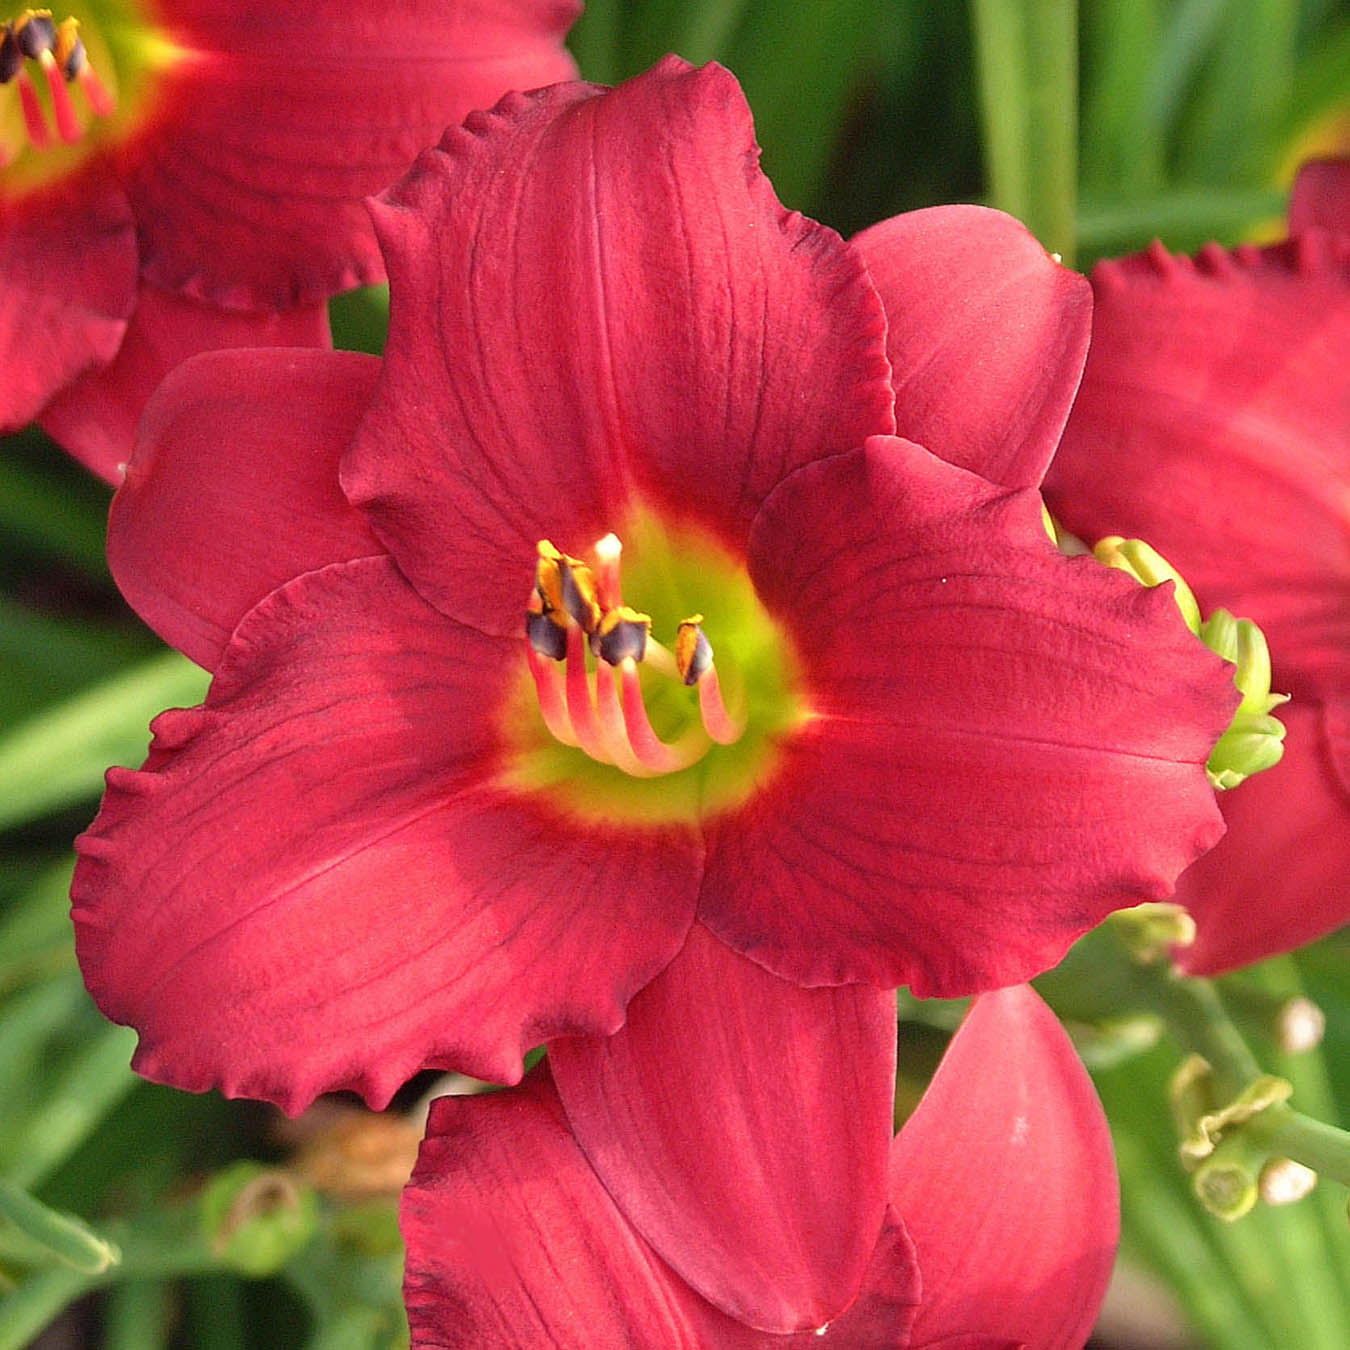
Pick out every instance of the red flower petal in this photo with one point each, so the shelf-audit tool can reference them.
(600, 300)
(1214, 421)
(1271, 884)
(316, 884)
(1008, 744)
(513, 1241)
(233, 488)
(67, 285)
(95, 418)
(753, 1156)
(986, 335)
(1321, 197)
(1006, 1181)
(249, 188)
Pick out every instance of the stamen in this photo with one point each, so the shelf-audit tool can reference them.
(67, 123)
(693, 652)
(548, 680)
(615, 729)
(35, 31)
(575, 607)
(11, 58)
(548, 576)
(100, 100)
(39, 135)
(651, 751)
(547, 636)
(622, 635)
(580, 709)
(608, 551)
(722, 727)
(60, 51)
(579, 597)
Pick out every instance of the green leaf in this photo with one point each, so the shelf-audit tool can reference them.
(67, 1237)
(1242, 97)
(1027, 62)
(59, 756)
(1122, 151)
(73, 1102)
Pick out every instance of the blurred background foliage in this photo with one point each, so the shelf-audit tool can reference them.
(133, 1217)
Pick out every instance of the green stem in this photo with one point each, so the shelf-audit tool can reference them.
(1027, 67)
(1197, 1018)
(1288, 1134)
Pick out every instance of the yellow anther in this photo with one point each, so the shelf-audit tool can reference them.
(693, 652)
(548, 576)
(68, 44)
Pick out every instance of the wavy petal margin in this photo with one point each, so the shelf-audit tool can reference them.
(1004, 746)
(600, 305)
(316, 883)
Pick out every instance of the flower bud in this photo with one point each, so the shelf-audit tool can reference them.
(256, 1218)
(1147, 566)
(1283, 1181)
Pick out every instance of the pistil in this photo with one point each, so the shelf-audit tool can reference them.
(575, 612)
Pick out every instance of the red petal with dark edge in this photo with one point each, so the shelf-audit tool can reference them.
(513, 1241)
(249, 187)
(599, 301)
(1321, 197)
(1007, 744)
(1005, 1179)
(316, 883)
(233, 488)
(1214, 421)
(67, 286)
(95, 418)
(1275, 880)
(743, 1124)
(986, 335)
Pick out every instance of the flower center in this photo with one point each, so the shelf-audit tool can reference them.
(624, 724)
(70, 84)
(34, 38)
(574, 608)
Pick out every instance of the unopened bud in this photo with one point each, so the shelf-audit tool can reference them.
(1283, 1181)
(256, 1218)
(1147, 566)
(1150, 931)
(1253, 742)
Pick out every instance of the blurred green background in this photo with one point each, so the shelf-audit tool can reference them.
(1101, 125)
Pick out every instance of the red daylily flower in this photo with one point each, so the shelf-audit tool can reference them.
(1214, 422)
(198, 179)
(928, 749)
(999, 1232)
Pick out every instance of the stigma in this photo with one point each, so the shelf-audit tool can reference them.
(586, 650)
(35, 38)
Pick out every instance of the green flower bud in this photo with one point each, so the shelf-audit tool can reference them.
(1147, 566)
(256, 1218)
(1254, 741)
